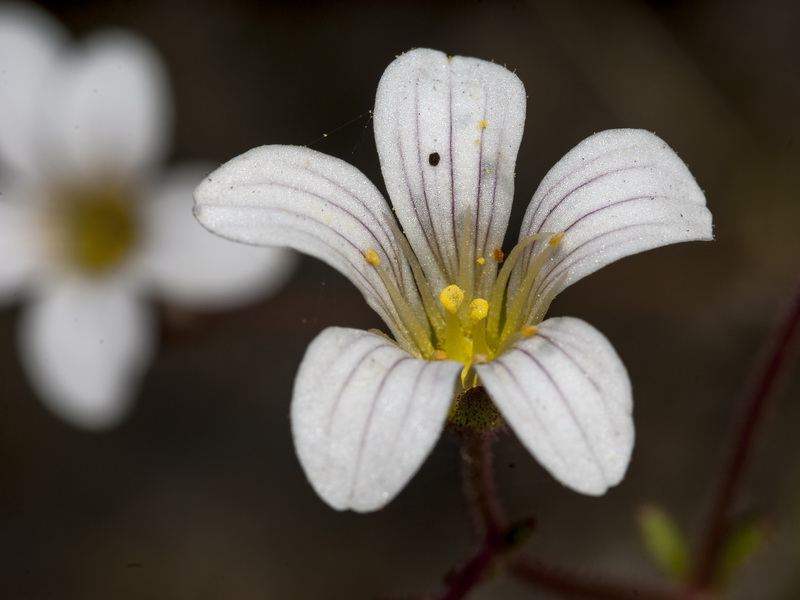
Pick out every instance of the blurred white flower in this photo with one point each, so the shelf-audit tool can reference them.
(367, 410)
(87, 224)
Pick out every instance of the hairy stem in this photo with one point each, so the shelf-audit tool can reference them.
(479, 485)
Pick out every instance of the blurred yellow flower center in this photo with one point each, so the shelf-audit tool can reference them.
(97, 228)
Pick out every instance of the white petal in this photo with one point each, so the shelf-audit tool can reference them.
(365, 415)
(29, 44)
(567, 396)
(471, 113)
(322, 206)
(617, 193)
(109, 109)
(84, 348)
(20, 252)
(194, 268)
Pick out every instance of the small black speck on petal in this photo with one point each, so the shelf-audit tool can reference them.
(434, 159)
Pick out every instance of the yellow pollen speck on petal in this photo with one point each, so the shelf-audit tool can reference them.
(480, 260)
(487, 171)
(556, 239)
(478, 309)
(451, 297)
(372, 257)
(529, 330)
(483, 124)
(498, 255)
(439, 355)
(449, 58)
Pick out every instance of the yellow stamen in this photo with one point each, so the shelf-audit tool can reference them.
(451, 298)
(478, 309)
(372, 257)
(428, 301)
(480, 359)
(466, 263)
(522, 301)
(556, 239)
(542, 304)
(417, 333)
(499, 289)
(529, 330)
(439, 355)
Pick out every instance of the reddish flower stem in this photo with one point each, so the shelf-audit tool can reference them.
(569, 584)
(480, 489)
(488, 516)
(470, 574)
(742, 443)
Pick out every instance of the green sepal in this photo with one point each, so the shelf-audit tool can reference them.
(664, 540)
(744, 541)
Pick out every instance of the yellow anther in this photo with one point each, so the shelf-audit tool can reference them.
(482, 124)
(478, 309)
(529, 330)
(556, 239)
(451, 297)
(372, 257)
(480, 260)
(439, 355)
(498, 255)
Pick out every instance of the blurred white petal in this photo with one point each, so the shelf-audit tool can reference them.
(109, 111)
(365, 415)
(29, 46)
(20, 243)
(567, 396)
(617, 193)
(85, 348)
(466, 116)
(195, 268)
(319, 205)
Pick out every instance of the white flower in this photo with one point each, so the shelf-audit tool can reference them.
(86, 227)
(367, 410)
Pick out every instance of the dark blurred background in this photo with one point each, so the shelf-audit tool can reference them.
(199, 495)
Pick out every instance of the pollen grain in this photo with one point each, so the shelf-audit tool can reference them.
(372, 257)
(451, 298)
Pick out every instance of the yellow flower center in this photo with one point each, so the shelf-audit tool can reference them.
(467, 329)
(95, 228)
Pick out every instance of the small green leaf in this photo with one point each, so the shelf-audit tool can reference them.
(663, 539)
(743, 542)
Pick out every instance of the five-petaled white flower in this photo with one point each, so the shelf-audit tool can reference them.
(367, 409)
(85, 224)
